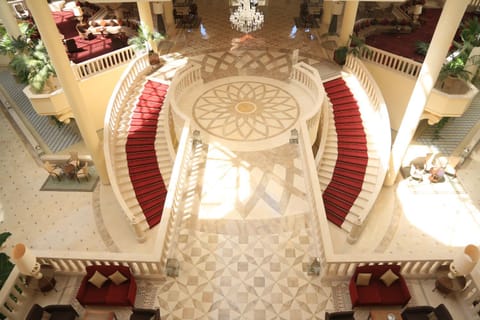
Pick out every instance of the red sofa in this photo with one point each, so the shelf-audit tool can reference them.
(376, 292)
(109, 293)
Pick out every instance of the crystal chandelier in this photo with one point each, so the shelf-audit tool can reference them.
(246, 18)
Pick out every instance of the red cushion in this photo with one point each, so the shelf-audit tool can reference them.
(94, 295)
(117, 295)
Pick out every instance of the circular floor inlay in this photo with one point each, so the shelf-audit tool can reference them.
(251, 110)
(246, 107)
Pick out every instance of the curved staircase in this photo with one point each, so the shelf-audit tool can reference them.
(347, 171)
(145, 175)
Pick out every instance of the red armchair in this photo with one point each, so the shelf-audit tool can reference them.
(109, 293)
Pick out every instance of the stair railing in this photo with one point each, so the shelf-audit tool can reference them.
(172, 213)
(309, 78)
(113, 116)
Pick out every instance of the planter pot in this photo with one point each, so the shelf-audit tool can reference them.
(454, 85)
(153, 58)
(340, 55)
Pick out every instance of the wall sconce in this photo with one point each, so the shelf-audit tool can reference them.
(25, 261)
(464, 263)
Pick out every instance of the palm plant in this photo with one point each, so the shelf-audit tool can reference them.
(5, 265)
(357, 46)
(29, 62)
(144, 35)
(454, 68)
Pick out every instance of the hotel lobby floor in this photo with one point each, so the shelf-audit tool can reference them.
(227, 264)
(236, 273)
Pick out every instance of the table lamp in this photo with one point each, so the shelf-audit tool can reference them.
(25, 261)
(464, 263)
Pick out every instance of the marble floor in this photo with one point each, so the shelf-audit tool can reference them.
(235, 266)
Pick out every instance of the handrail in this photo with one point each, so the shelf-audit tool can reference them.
(319, 222)
(355, 66)
(475, 3)
(309, 78)
(113, 114)
(175, 194)
(381, 131)
(104, 62)
(392, 61)
(186, 77)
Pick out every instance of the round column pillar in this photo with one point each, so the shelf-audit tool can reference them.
(145, 13)
(56, 51)
(168, 17)
(326, 16)
(9, 20)
(450, 19)
(348, 21)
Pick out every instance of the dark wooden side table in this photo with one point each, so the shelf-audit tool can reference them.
(47, 282)
(447, 285)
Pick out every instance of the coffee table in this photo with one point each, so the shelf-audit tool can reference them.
(99, 315)
(447, 285)
(382, 314)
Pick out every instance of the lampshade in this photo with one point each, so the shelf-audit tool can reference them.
(464, 263)
(25, 261)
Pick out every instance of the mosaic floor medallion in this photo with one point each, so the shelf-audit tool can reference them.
(246, 110)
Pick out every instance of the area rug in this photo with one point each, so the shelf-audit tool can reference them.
(72, 185)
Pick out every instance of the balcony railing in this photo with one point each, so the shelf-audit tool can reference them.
(94, 66)
(400, 64)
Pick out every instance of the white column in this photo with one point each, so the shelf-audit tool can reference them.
(168, 17)
(145, 13)
(326, 16)
(447, 26)
(56, 51)
(348, 21)
(8, 19)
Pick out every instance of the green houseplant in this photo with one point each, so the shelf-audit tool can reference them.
(141, 42)
(452, 76)
(357, 45)
(5, 265)
(29, 62)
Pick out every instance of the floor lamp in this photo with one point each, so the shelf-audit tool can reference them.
(464, 263)
(25, 261)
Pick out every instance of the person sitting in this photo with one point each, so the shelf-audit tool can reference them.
(437, 174)
(415, 173)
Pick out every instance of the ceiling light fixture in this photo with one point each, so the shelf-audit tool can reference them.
(246, 18)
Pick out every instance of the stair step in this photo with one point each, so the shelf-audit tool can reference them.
(334, 83)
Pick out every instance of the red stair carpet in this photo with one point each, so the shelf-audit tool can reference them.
(352, 158)
(142, 162)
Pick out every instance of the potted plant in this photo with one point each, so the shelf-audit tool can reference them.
(29, 62)
(356, 46)
(5, 265)
(453, 75)
(141, 42)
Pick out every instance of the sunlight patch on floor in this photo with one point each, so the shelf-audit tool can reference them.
(225, 182)
(447, 218)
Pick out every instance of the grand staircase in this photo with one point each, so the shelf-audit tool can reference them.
(142, 158)
(145, 174)
(347, 171)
